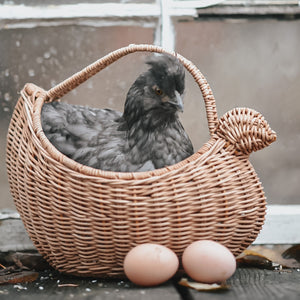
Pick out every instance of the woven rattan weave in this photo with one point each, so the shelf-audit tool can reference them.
(84, 221)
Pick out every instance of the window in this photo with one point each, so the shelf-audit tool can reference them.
(242, 47)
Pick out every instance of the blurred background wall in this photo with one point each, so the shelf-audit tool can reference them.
(249, 54)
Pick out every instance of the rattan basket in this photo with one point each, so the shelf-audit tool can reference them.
(84, 221)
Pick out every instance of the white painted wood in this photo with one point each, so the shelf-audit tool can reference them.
(96, 15)
(282, 225)
(167, 29)
(118, 10)
(104, 10)
(165, 33)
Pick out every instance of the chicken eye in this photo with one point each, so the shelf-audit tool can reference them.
(158, 91)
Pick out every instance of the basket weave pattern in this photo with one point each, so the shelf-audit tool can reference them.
(84, 221)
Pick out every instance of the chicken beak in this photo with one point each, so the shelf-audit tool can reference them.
(177, 101)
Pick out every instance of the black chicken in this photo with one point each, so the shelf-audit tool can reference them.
(147, 136)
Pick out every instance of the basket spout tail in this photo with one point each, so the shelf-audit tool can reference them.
(272, 136)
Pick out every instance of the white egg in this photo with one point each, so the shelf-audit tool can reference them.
(208, 261)
(150, 264)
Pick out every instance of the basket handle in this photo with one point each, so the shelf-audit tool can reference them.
(72, 82)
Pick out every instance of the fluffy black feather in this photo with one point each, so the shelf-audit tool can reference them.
(148, 135)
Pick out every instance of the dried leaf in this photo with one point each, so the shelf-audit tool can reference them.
(276, 257)
(203, 286)
(254, 259)
(292, 252)
(262, 257)
(18, 277)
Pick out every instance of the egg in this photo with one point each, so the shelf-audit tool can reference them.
(150, 264)
(208, 262)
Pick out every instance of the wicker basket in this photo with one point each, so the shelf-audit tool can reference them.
(84, 221)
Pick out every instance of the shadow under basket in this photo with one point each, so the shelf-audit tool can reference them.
(84, 221)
